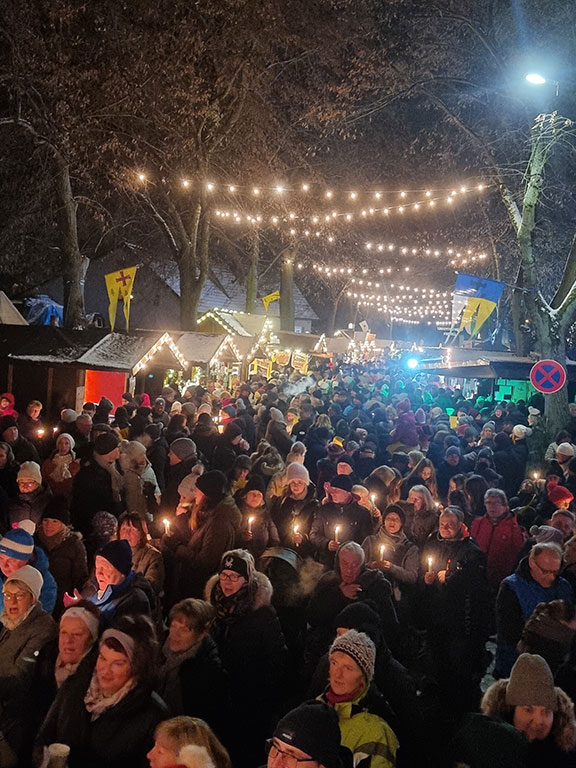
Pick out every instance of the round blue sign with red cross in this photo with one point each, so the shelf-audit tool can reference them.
(548, 376)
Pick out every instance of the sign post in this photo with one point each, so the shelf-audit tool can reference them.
(548, 377)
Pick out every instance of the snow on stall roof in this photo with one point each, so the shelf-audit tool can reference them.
(119, 350)
(57, 346)
(199, 348)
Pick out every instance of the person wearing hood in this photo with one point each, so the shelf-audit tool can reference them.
(536, 580)
(159, 415)
(182, 456)
(391, 552)
(229, 445)
(32, 497)
(98, 485)
(103, 411)
(192, 679)
(30, 425)
(276, 433)
(452, 464)
(540, 711)
(257, 531)
(59, 470)
(108, 714)
(7, 403)
(187, 742)
(349, 692)
(8, 472)
(205, 433)
(339, 518)
(499, 536)
(17, 550)
(308, 734)
(65, 549)
(456, 609)
(214, 528)
(550, 631)
(251, 645)
(25, 629)
(136, 490)
(117, 590)
(350, 582)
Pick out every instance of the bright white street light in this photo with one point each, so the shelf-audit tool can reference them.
(535, 79)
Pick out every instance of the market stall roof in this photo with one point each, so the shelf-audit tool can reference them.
(497, 365)
(248, 347)
(199, 348)
(124, 351)
(47, 344)
(305, 342)
(8, 312)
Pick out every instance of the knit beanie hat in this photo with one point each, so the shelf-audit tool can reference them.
(30, 577)
(19, 542)
(397, 510)
(453, 450)
(205, 408)
(313, 728)
(188, 483)
(68, 437)
(57, 509)
(490, 425)
(360, 648)
(295, 471)
(184, 448)
(334, 450)
(420, 416)
(30, 471)
(545, 533)
(68, 415)
(232, 430)
(176, 407)
(154, 430)
(6, 422)
(255, 483)
(559, 493)
(213, 485)
(242, 462)
(231, 562)
(276, 415)
(531, 683)
(106, 443)
(520, 431)
(361, 617)
(119, 554)
(565, 449)
(344, 482)
(159, 401)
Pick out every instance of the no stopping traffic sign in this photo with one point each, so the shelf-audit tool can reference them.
(548, 376)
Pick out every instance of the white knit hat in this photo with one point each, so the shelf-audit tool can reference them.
(30, 470)
(295, 471)
(30, 577)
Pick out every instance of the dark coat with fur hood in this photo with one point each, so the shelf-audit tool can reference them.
(558, 749)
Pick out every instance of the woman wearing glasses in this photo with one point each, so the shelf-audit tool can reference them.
(252, 649)
(26, 628)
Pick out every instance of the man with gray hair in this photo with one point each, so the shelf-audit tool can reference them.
(535, 581)
(499, 536)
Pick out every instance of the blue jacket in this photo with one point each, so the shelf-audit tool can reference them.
(518, 596)
(134, 595)
(49, 589)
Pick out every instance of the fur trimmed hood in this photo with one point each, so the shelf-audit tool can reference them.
(564, 725)
(263, 594)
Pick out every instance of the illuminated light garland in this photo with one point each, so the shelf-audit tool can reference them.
(335, 216)
(164, 339)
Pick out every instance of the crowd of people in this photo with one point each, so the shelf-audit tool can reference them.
(355, 568)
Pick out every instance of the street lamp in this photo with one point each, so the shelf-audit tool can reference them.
(535, 79)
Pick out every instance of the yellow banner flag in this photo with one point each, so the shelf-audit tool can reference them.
(267, 300)
(119, 285)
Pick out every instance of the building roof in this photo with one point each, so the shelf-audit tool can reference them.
(199, 348)
(8, 312)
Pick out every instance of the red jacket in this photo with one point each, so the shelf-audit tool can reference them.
(500, 543)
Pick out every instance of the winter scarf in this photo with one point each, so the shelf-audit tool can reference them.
(61, 469)
(173, 659)
(228, 609)
(12, 624)
(95, 701)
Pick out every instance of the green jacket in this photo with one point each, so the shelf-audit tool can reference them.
(370, 739)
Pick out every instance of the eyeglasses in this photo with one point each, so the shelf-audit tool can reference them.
(17, 596)
(24, 484)
(543, 571)
(233, 577)
(287, 759)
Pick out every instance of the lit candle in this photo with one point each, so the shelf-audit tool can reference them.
(250, 521)
(220, 428)
(166, 526)
(373, 497)
(336, 532)
(429, 565)
(40, 432)
(382, 550)
(295, 531)
(535, 475)
(54, 429)
(436, 504)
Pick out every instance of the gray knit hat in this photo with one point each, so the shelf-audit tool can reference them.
(531, 683)
(360, 648)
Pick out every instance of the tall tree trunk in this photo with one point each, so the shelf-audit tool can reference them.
(553, 346)
(516, 312)
(287, 291)
(193, 266)
(252, 276)
(74, 264)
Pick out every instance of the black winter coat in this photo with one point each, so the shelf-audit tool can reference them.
(68, 563)
(355, 523)
(120, 738)
(287, 512)
(175, 473)
(91, 493)
(158, 457)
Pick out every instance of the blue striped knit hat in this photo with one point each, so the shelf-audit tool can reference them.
(19, 542)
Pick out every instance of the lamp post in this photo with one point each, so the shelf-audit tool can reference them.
(534, 78)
